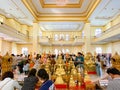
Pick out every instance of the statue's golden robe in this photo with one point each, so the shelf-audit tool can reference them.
(6, 63)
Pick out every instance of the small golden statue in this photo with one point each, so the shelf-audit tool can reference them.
(73, 70)
(72, 82)
(60, 61)
(47, 66)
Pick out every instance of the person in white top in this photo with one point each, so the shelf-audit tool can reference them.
(114, 84)
(8, 82)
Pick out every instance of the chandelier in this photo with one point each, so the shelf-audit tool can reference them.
(61, 2)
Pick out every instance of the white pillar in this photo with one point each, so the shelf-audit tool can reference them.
(35, 48)
(87, 46)
(14, 48)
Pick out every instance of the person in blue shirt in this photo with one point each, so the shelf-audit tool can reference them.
(44, 79)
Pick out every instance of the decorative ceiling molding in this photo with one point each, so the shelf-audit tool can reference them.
(77, 5)
(82, 16)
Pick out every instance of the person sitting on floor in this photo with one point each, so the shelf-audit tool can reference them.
(44, 79)
(30, 81)
(8, 82)
(114, 84)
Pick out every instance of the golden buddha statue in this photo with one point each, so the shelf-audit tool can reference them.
(72, 82)
(59, 71)
(89, 62)
(47, 66)
(88, 58)
(60, 61)
(71, 62)
(116, 61)
(73, 70)
(6, 63)
(59, 79)
(79, 78)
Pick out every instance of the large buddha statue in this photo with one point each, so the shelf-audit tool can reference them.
(88, 58)
(90, 63)
(59, 71)
(116, 61)
(6, 63)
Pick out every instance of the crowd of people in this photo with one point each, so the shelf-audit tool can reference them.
(30, 66)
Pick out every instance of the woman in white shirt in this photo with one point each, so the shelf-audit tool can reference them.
(8, 83)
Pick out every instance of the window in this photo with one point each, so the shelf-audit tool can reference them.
(67, 37)
(98, 50)
(25, 51)
(56, 37)
(98, 31)
(83, 34)
(63, 51)
(67, 51)
(56, 51)
(40, 34)
(61, 36)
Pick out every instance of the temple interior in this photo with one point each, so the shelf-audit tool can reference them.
(53, 34)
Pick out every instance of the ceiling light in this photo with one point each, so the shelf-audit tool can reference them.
(61, 2)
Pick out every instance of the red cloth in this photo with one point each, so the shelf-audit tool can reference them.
(61, 86)
(82, 87)
(91, 72)
(64, 87)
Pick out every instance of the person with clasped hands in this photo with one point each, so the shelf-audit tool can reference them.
(114, 84)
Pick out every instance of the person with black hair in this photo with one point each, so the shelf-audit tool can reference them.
(8, 82)
(30, 81)
(44, 79)
(79, 62)
(114, 84)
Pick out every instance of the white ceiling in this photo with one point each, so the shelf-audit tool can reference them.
(53, 10)
(105, 12)
(17, 10)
